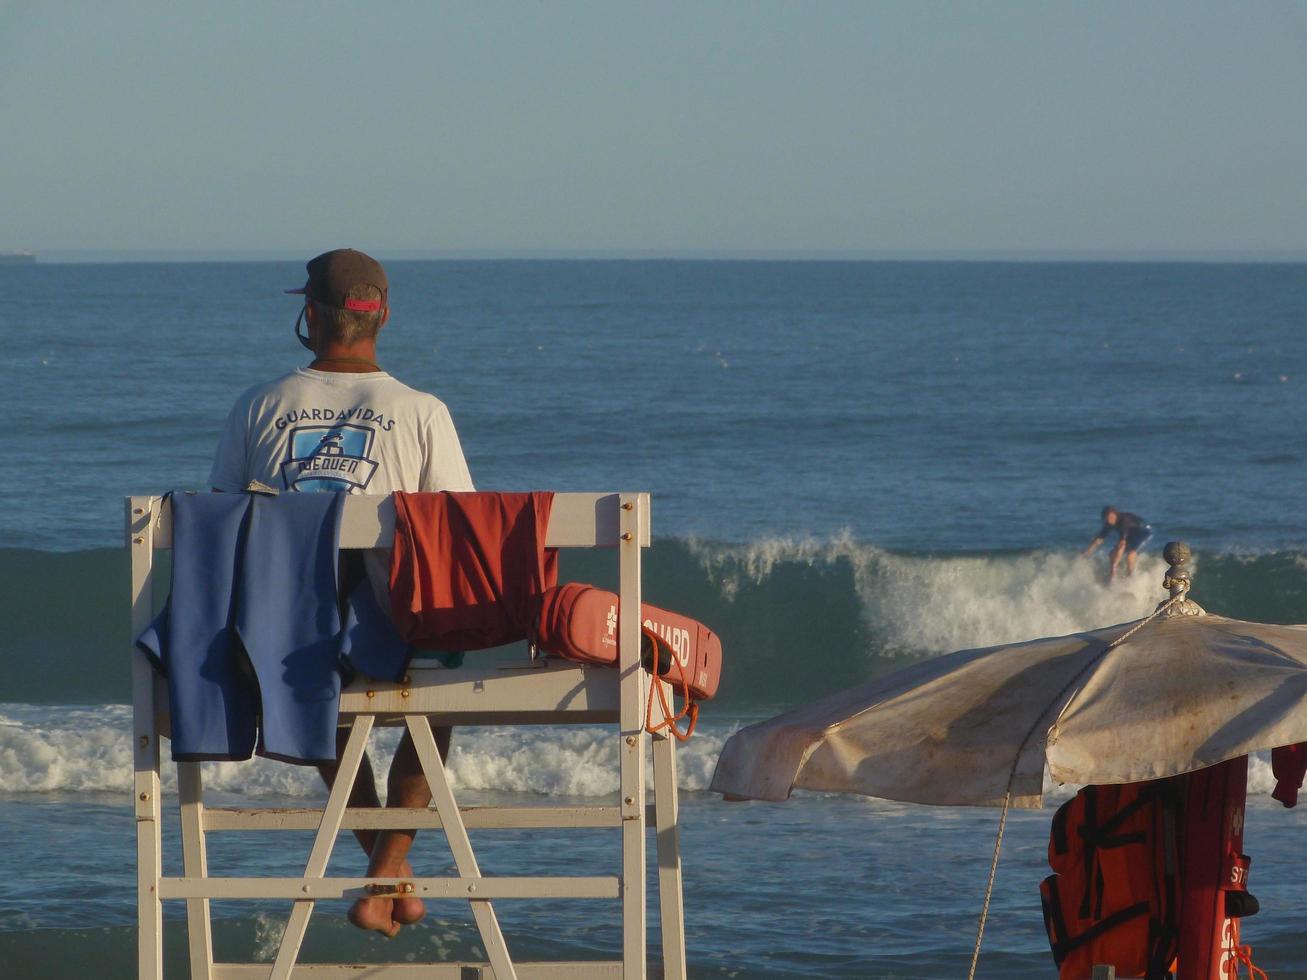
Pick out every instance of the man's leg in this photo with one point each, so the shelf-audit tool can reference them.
(1135, 545)
(380, 913)
(1130, 558)
(406, 787)
(1117, 552)
(364, 791)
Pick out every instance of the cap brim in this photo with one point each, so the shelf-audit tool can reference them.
(302, 291)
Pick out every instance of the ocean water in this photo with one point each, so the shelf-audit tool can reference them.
(853, 465)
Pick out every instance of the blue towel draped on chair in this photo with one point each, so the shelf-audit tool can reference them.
(252, 639)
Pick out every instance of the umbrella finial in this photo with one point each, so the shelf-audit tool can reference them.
(1178, 580)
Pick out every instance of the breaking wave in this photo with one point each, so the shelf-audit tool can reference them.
(798, 617)
(81, 749)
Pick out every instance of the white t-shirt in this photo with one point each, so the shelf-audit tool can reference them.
(327, 430)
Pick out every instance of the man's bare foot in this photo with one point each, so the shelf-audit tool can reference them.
(387, 915)
(408, 910)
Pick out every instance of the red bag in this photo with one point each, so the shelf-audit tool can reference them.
(579, 622)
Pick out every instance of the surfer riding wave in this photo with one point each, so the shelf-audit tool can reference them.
(1133, 533)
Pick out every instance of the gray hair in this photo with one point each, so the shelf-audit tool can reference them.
(349, 326)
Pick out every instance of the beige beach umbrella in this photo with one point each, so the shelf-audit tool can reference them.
(1175, 692)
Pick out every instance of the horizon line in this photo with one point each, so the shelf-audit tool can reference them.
(59, 256)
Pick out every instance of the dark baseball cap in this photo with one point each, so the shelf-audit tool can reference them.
(333, 274)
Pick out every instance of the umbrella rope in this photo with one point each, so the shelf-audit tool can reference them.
(1012, 774)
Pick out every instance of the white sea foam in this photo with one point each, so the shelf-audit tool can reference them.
(1260, 783)
(50, 749)
(268, 931)
(565, 763)
(1260, 778)
(45, 749)
(938, 604)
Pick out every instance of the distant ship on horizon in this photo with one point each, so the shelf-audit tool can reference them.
(17, 257)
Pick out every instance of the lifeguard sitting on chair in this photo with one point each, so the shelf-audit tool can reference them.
(405, 440)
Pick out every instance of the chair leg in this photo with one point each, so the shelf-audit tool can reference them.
(460, 844)
(140, 514)
(332, 816)
(632, 745)
(149, 869)
(190, 791)
(671, 911)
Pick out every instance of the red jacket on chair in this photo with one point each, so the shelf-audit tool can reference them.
(468, 569)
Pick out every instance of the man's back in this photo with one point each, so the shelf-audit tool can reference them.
(1126, 525)
(344, 431)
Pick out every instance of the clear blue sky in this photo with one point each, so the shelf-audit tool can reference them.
(682, 127)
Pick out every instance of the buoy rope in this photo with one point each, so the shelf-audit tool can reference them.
(691, 708)
(1016, 762)
(1243, 955)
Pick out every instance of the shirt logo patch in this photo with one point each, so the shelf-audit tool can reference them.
(329, 457)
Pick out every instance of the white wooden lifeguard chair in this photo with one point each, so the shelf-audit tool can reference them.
(556, 693)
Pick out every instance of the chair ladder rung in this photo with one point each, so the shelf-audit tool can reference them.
(380, 818)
